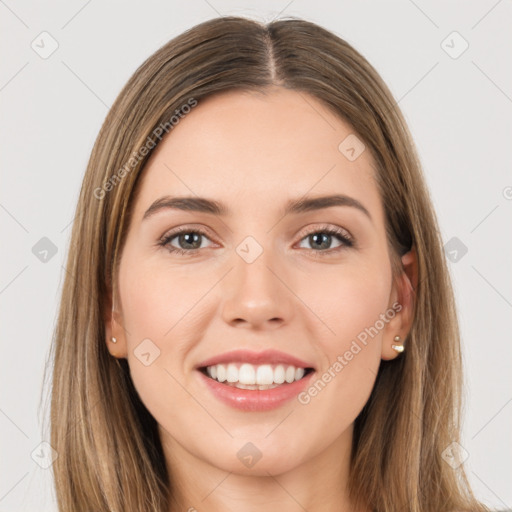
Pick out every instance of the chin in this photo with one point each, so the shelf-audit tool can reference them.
(255, 458)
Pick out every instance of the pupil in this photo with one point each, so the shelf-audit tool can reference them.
(322, 238)
(192, 236)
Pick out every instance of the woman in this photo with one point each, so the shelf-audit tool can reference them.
(257, 311)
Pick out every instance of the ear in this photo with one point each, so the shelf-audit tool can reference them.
(402, 302)
(114, 329)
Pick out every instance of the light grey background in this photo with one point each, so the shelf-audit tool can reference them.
(458, 109)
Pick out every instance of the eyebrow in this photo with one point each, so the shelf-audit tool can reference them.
(203, 205)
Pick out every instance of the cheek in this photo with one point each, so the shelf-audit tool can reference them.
(158, 332)
(350, 301)
(156, 300)
(347, 299)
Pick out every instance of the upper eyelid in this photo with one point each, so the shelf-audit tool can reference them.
(172, 233)
(326, 227)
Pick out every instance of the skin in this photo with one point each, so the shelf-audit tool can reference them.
(254, 152)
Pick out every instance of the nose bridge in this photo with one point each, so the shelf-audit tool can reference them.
(254, 291)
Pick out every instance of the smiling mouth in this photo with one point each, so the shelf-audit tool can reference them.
(255, 377)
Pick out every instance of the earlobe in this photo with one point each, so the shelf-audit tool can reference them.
(113, 331)
(398, 346)
(116, 343)
(114, 348)
(391, 350)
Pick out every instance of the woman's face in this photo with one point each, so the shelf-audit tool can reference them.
(261, 275)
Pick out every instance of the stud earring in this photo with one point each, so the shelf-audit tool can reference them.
(113, 340)
(398, 348)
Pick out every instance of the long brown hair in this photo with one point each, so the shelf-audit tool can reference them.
(109, 452)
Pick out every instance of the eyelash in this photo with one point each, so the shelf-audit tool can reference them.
(340, 234)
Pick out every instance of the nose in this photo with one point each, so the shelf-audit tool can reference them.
(257, 295)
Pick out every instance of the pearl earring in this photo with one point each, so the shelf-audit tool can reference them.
(398, 348)
(113, 340)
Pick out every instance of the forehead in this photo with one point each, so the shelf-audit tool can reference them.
(247, 149)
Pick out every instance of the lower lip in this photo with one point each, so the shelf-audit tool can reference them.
(255, 400)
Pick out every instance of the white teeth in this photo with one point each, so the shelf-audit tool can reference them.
(279, 374)
(264, 375)
(221, 373)
(232, 373)
(248, 376)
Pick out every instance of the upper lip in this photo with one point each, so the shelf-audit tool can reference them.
(257, 358)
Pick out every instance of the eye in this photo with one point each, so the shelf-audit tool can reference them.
(190, 239)
(322, 239)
